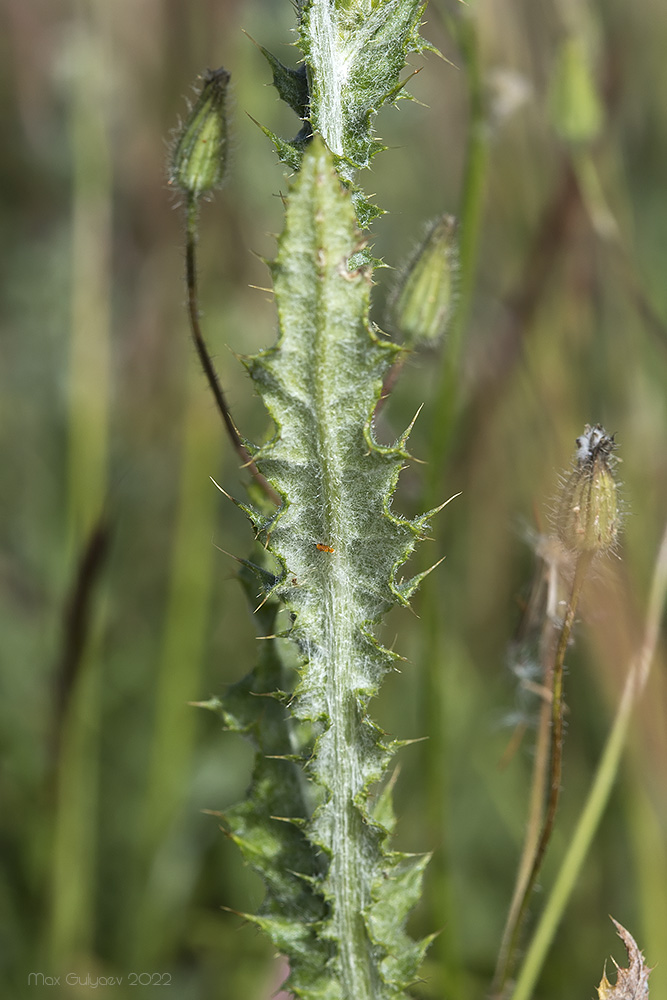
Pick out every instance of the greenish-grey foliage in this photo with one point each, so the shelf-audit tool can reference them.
(338, 896)
(353, 54)
(112, 863)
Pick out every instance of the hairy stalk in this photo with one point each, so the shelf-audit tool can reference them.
(532, 836)
(535, 850)
(539, 616)
(191, 219)
(607, 770)
(586, 520)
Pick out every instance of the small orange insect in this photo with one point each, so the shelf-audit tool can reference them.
(323, 548)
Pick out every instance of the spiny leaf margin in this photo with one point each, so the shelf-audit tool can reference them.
(338, 547)
(354, 52)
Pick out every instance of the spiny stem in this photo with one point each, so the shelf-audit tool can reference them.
(192, 213)
(529, 870)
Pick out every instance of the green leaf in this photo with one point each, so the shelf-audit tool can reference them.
(291, 84)
(355, 51)
(337, 898)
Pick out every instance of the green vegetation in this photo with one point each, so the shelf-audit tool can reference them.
(546, 140)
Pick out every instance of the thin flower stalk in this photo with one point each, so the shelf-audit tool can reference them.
(586, 521)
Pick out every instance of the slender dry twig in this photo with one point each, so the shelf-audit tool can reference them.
(535, 847)
(603, 781)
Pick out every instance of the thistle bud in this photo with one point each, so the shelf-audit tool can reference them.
(586, 516)
(422, 306)
(575, 106)
(199, 160)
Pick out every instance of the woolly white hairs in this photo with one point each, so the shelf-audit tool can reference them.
(593, 442)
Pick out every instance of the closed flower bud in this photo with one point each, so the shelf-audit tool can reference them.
(423, 303)
(586, 516)
(199, 160)
(575, 106)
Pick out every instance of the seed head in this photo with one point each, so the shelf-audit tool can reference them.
(586, 516)
(199, 160)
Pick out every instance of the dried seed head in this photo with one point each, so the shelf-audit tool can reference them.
(199, 160)
(422, 306)
(586, 516)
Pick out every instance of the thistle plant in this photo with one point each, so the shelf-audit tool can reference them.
(317, 818)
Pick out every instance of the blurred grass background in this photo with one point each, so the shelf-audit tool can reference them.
(109, 437)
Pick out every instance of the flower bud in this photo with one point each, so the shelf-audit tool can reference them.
(575, 106)
(586, 515)
(422, 306)
(199, 160)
